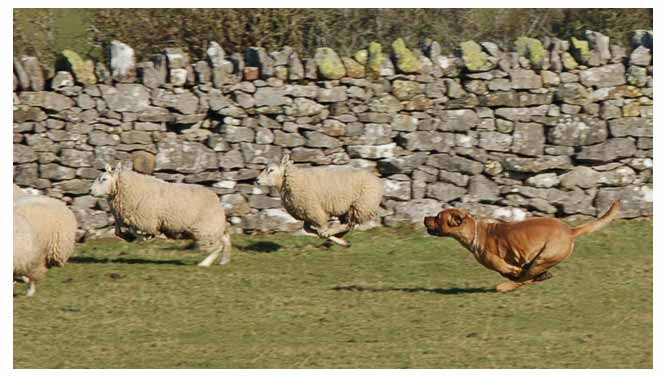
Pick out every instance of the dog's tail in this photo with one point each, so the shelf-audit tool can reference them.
(604, 220)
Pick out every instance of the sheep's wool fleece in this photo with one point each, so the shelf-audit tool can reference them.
(28, 258)
(18, 192)
(335, 190)
(54, 226)
(154, 206)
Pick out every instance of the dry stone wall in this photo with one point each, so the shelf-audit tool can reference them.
(551, 127)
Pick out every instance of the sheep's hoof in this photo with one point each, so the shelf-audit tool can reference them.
(337, 240)
(31, 290)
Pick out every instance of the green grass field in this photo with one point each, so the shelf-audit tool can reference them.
(397, 299)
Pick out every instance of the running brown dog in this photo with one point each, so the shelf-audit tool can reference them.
(521, 251)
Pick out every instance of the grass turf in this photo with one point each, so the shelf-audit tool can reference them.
(396, 299)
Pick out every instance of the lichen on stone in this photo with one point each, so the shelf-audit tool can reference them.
(474, 58)
(375, 57)
(580, 49)
(361, 56)
(329, 64)
(405, 60)
(83, 70)
(532, 49)
(568, 61)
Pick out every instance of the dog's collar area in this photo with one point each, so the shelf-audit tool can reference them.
(474, 246)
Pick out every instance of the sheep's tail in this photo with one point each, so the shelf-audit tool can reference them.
(60, 249)
(604, 220)
(358, 216)
(366, 207)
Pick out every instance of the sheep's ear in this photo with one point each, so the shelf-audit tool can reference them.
(285, 160)
(108, 168)
(119, 167)
(127, 166)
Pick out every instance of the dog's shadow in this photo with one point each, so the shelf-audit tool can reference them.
(441, 291)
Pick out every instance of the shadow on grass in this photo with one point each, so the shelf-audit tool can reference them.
(261, 247)
(441, 291)
(93, 260)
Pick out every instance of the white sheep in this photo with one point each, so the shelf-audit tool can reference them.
(29, 260)
(150, 205)
(314, 195)
(44, 236)
(54, 225)
(18, 192)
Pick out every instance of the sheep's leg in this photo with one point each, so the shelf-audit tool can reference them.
(31, 289)
(309, 230)
(209, 259)
(213, 245)
(319, 223)
(329, 234)
(226, 249)
(208, 245)
(141, 237)
(338, 229)
(118, 225)
(31, 284)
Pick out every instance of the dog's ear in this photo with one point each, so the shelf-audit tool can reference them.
(455, 219)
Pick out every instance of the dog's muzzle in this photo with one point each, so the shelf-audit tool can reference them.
(431, 226)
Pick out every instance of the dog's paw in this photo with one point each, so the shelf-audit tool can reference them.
(544, 276)
(507, 286)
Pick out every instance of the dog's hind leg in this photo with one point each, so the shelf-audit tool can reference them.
(537, 269)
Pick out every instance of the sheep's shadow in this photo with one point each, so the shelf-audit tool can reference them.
(441, 291)
(93, 260)
(261, 247)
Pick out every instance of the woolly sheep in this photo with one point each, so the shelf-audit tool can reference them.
(29, 260)
(150, 205)
(44, 236)
(18, 192)
(54, 225)
(314, 195)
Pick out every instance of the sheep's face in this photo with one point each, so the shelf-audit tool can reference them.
(105, 184)
(272, 176)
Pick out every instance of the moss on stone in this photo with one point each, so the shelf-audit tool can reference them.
(375, 57)
(405, 89)
(568, 61)
(580, 49)
(361, 56)
(329, 64)
(532, 49)
(405, 60)
(82, 70)
(474, 59)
